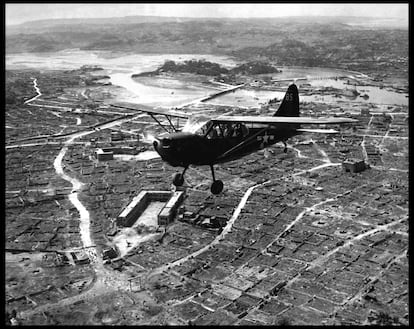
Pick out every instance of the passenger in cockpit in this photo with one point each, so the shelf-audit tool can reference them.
(228, 131)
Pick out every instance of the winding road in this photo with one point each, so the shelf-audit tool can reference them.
(76, 184)
(105, 280)
(37, 91)
(364, 151)
(73, 197)
(217, 240)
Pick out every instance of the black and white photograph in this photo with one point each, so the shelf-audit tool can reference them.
(220, 164)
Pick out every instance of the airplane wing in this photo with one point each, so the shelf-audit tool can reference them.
(150, 110)
(273, 120)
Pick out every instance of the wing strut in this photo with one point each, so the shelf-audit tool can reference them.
(155, 119)
(171, 124)
(153, 112)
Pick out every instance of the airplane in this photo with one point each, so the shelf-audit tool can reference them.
(210, 140)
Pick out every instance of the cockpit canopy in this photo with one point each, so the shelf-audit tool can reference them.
(204, 126)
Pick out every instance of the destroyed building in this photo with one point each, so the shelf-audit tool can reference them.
(354, 165)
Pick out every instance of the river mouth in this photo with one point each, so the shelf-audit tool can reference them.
(177, 90)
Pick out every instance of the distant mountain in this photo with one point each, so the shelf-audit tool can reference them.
(308, 41)
(77, 23)
(50, 24)
(161, 34)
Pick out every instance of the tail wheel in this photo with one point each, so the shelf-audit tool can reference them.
(178, 179)
(216, 187)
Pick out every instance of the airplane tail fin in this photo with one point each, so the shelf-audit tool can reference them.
(290, 103)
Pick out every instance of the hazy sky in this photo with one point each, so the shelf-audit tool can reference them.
(23, 12)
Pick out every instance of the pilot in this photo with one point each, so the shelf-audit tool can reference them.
(219, 131)
(214, 132)
(237, 131)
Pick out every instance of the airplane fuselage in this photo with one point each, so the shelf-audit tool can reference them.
(184, 149)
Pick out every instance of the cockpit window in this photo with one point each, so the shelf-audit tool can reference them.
(201, 125)
(235, 130)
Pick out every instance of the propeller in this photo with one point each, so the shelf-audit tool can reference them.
(148, 138)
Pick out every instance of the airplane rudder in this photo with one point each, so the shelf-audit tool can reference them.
(290, 104)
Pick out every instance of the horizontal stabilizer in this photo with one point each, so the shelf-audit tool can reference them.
(318, 131)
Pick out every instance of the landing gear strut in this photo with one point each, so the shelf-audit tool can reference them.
(285, 149)
(179, 178)
(217, 185)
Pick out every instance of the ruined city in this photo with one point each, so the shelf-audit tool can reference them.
(97, 234)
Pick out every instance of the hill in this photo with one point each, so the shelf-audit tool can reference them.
(312, 41)
(204, 67)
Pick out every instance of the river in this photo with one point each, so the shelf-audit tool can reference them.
(174, 92)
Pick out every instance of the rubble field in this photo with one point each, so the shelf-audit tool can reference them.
(293, 238)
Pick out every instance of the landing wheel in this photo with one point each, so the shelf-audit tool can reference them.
(285, 149)
(216, 187)
(178, 179)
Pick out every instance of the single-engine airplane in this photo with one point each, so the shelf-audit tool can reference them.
(211, 140)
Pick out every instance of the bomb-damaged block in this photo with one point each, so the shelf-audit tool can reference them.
(218, 318)
(190, 311)
(273, 306)
(242, 304)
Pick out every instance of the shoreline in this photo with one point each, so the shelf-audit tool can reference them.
(192, 88)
